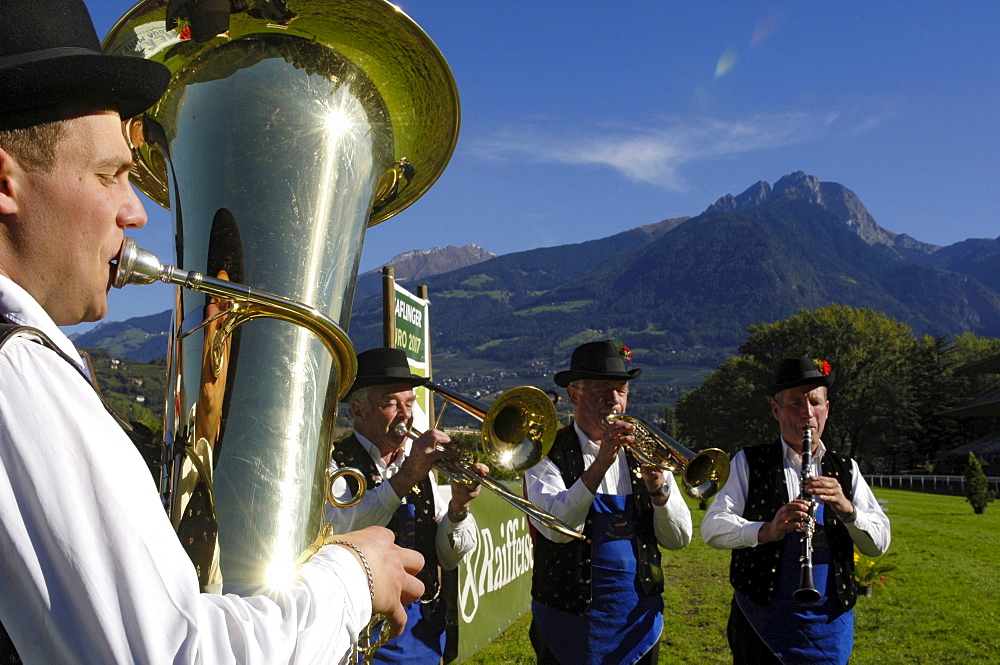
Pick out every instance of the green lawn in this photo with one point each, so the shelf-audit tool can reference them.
(940, 605)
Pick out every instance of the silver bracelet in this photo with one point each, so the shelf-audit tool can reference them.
(364, 562)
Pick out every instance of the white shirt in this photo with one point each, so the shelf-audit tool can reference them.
(91, 570)
(724, 527)
(545, 488)
(454, 539)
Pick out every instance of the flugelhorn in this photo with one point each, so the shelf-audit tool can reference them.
(518, 430)
(807, 592)
(288, 128)
(703, 473)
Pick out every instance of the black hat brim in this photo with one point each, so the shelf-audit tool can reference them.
(825, 380)
(363, 382)
(130, 84)
(566, 377)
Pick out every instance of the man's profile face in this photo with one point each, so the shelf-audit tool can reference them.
(73, 217)
(797, 407)
(593, 400)
(386, 407)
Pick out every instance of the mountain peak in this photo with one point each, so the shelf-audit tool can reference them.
(835, 199)
(420, 263)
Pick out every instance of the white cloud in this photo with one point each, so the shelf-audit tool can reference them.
(654, 155)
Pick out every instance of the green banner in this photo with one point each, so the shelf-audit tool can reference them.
(494, 581)
(412, 334)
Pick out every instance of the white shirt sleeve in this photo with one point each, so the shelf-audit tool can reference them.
(724, 527)
(672, 520)
(453, 539)
(91, 570)
(870, 530)
(545, 488)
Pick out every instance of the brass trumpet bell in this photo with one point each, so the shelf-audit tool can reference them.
(703, 473)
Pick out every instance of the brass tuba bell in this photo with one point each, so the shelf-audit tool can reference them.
(288, 128)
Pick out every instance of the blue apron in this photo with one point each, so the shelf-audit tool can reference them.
(423, 639)
(821, 632)
(620, 624)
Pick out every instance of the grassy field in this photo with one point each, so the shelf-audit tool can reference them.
(940, 605)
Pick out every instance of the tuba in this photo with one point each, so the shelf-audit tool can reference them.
(289, 127)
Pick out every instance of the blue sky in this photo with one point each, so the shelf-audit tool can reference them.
(583, 119)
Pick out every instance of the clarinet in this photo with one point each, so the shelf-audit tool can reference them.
(807, 593)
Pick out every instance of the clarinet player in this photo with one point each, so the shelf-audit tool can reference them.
(760, 516)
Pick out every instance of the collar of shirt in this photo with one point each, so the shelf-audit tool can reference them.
(616, 479)
(793, 466)
(386, 470)
(17, 306)
(794, 461)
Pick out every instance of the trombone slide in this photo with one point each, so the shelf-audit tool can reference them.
(462, 474)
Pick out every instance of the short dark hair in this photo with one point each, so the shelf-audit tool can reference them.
(31, 136)
(31, 142)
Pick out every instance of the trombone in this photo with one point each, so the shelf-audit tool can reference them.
(703, 473)
(518, 430)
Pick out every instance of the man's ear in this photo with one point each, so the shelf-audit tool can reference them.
(573, 393)
(9, 168)
(774, 409)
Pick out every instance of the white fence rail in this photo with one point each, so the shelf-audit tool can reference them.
(928, 483)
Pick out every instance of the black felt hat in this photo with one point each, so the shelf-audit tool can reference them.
(381, 367)
(50, 54)
(596, 360)
(794, 372)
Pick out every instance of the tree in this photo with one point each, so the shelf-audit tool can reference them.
(670, 421)
(729, 409)
(873, 414)
(977, 487)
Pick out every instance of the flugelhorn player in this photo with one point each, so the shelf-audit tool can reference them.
(403, 495)
(760, 516)
(599, 600)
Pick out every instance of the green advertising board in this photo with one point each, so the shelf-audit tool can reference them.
(494, 580)
(491, 589)
(411, 333)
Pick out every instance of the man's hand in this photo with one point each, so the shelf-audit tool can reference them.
(424, 454)
(392, 569)
(789, 517)
(462, 494)
(829, 491)
(612, 438)
(655, 480)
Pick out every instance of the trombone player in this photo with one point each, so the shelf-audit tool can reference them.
(759, 515)
(599, 600)
(403, 495)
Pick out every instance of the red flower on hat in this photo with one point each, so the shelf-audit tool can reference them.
(822, 366)
(623, 351)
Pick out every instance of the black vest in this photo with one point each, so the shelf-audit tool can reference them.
(754, 571)
(349, 452)
(151, 449)
(562, 571)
